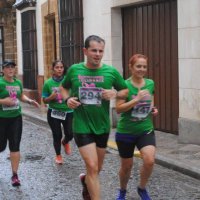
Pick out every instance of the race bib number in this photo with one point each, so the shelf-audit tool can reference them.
(58, 114)
(15, 107)
(90, 95)
(141, 110)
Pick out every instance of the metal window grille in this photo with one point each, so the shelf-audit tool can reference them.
(29, 48)
(71, 31)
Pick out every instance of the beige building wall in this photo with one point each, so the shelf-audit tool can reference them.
(51, 51)
(46, 13)
(189, 70)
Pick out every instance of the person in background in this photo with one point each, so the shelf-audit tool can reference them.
(135, 126)
(58, 114)
(91, 85)
(11, 93)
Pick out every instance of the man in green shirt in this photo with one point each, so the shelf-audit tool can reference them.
(91, 86)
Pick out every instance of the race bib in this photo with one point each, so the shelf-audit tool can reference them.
(58, 114)
(90, 95)
(15, 107)
(141, 110)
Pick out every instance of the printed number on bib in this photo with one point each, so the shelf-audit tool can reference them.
(90, 95)
(141, 110)
(58, 114)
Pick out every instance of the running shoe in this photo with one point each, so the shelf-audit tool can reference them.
(143, 194)
(121, 195)
(15, 180)
(59, 160)
(85, 193)
(66, 147)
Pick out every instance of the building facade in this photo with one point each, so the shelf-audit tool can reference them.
(167, 31)
(7, 31)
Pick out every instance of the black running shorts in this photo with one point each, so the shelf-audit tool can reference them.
(84, 139)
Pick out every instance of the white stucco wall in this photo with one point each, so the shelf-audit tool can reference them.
(97, 22)
(19, 42)
(189, 58)
(39, 38)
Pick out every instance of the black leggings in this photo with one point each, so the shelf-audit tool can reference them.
(11, 131)
(55, 125)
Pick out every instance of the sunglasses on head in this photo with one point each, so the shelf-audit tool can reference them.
(9, 66)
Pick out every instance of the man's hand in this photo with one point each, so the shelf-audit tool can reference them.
(109, 94)
(73, 102)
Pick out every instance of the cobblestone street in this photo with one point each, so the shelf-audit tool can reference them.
(42, 179)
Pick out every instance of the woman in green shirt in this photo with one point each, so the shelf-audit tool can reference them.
(135, 127)
(58, 112)
(11, 92)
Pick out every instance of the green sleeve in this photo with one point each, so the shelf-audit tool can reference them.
(66, 83)
(119, 83)
(45, 90)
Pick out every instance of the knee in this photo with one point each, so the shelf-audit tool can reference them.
(92, 168)
(149, 162)
(127, 167)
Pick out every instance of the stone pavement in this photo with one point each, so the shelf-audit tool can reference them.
(184, 158)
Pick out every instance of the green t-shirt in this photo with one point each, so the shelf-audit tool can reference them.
(138, 119)
(13, 90)
(51, 86)
(92, 116)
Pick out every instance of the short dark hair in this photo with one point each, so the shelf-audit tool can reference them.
(93, 38)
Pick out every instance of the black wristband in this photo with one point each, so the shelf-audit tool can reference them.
(66, 100)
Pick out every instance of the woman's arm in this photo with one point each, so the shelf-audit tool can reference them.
(49, 98)
(123, 106)
(26, 99)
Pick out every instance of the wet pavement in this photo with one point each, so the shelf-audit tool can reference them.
(42, 179)
(184, 158)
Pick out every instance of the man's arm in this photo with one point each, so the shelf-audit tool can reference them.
(72, 102)
(64, 92)
(26, 99)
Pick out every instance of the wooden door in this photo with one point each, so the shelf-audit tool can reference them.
(151, 29)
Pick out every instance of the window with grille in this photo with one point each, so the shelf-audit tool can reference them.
(29, 49)
(71, 31)
(1, 48)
